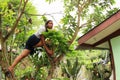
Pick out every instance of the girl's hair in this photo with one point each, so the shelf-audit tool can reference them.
(46, 24)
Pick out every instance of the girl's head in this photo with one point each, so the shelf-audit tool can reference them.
(49, 24)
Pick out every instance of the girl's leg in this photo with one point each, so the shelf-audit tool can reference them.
(24, 53)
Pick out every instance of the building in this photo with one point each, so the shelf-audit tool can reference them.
(105, 36)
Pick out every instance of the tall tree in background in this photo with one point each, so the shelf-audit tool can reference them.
(83, 15)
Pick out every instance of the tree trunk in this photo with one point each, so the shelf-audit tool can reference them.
(4, 54)
(51, 71)
(4, 60)
(54, 63)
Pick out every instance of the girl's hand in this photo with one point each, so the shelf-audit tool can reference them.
(48, 41)
(42, 39)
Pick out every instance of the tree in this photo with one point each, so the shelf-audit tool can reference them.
(13, 20)
(77, 17)
(83, 15)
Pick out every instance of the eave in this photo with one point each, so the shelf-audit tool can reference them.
(98, 37)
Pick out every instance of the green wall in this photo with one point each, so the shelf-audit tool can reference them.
(115, 42)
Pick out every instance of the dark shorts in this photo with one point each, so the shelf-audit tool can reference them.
(32, 41)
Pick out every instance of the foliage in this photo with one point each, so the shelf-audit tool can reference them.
(79, 15)
(61, 79)
(9, 10)
(24, 73)
(85, 15)
(39, 59)
(40, 62)
(96, 61)
(71, 68)
(57, 41)
(50, 1)
(69, 26)
(18, 28)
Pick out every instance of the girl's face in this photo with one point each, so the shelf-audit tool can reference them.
(50, 25)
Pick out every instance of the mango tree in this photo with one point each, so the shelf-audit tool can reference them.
(12, 22)
(80, 16)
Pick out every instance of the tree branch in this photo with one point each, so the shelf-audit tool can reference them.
(80, 10)
(56, 60)
(17, 20)
(89, 21)
(19, 6)
(78, 23)
(0, 26)
(43, 14)
(46, 14)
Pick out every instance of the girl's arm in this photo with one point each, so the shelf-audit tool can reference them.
(50, 52)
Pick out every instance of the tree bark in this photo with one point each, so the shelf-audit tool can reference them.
(51, 71)
(4, 60)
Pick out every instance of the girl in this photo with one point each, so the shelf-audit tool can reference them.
(36, 40)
